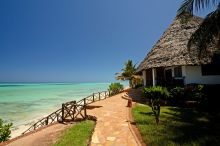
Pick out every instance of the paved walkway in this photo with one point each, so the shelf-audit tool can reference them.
(112, 127)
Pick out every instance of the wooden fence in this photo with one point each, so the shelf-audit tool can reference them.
(70, 111)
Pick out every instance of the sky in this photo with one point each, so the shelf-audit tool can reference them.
(78, 40)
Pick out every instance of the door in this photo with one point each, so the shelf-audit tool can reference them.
(168, 76)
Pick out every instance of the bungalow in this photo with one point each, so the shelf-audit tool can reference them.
(171, 62)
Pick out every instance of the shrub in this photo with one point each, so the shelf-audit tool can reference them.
(177, 94)
(198, 93)
(155, 94)
(115, 88)
(5, 131)
(189, 92)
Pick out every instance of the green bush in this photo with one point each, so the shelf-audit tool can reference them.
(197, 93)
(155, 94)
(193, 92)
(5, 131)
(190, 92)
(177, 94)
(115, 88)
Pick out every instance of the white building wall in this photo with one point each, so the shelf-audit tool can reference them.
(193, 74)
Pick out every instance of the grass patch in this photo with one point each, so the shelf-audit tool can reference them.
(178, 126)
(77, 135)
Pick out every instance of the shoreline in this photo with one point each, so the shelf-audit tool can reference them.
(19, 129)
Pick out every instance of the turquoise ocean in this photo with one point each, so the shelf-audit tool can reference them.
(22, 103)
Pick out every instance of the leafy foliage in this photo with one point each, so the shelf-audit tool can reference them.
(128, 73)
(177, 92)
(5, 131)
(194, 92)
(208, 32)
(115, 88)
(196, 5)
(179, 95)
(155, 94)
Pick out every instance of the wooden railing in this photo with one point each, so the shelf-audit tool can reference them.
(70, 111)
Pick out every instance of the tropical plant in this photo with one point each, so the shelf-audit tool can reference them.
(155, 94)
(208, 32)
(194, 92)
(5, 131)
(177, 94)
(128, 73)
(115, 88)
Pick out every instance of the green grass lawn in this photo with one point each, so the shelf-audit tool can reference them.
(77, 135)
(178, 126)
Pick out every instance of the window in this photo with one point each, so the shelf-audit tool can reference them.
(210, 69)
(178, 71)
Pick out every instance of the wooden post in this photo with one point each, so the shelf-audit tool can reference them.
(154, 76)
(99, 95)
(46, 122)
(63, 112)
(34, 126)
(93, 97)
(85, 114)
(58, 118)
(74, 110)
(105, 94)
(109, 93)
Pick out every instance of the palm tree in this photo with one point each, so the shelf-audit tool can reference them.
(209, 31)
(128, 73)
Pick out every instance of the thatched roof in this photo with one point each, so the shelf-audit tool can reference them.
(171, 48)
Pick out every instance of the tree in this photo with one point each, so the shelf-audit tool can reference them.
(128, 73)
(209, 31)
(5, 131)
(115, 88)
(155, 94)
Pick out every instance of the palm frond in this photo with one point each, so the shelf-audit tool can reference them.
(120, 78)
(186, 6)
(118, 73)
(137, 76)
(196, 5)
(128, 72)
(207, 33)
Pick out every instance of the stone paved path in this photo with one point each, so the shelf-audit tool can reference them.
(112, 128)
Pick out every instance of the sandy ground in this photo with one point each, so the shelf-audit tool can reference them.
(19, 131)
(44, 137)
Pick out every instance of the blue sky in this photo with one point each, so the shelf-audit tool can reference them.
(77, 40)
